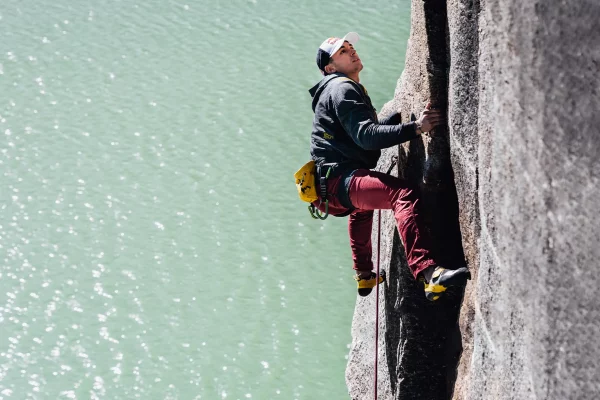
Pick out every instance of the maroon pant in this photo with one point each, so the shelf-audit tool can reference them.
(372, 190)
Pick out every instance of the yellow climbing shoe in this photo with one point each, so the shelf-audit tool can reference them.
(366, 285)
(442, 278)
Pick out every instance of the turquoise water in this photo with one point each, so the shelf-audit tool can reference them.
(151, 241)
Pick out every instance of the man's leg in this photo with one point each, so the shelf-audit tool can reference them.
(359, 230)
(372, 190)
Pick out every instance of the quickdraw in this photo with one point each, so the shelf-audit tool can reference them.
(314, 211)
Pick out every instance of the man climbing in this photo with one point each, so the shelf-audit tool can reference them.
(345, 144)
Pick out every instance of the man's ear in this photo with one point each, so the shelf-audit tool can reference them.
(329, 68)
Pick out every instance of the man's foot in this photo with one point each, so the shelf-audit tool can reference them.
(366, 284)
(442, 278)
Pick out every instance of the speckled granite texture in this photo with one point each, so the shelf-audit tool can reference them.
(512, 188)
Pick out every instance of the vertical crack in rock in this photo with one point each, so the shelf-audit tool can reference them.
(421, 344)
(427, 365)
(463, 91)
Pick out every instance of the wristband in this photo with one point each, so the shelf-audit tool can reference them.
(418, 129)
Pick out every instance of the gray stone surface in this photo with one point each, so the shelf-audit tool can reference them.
(420, 344)
(518, 171)
(536, 316)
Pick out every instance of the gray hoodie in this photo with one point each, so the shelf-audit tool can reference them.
(345, 128)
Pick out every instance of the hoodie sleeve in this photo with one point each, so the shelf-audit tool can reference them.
(355, 117)
(393, 119)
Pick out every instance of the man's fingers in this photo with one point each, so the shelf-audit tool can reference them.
(432, 118)
(437, 120)
(435, 116)
(428, 106)
(433, 122)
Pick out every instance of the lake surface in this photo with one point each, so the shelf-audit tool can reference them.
(152, 244)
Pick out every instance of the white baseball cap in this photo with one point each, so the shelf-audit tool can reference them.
(331, 45)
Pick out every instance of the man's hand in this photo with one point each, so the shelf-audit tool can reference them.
(429, 119)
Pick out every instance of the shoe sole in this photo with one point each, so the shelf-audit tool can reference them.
(434, 291)
(366, 291)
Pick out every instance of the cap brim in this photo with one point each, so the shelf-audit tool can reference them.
(351, 37)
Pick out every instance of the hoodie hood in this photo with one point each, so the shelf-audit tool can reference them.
(318, 89)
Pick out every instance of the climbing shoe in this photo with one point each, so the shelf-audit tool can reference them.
(442, 278)
(366, 285)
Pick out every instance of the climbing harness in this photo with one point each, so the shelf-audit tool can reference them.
(306, 178)
(314, 211)
(311, 183)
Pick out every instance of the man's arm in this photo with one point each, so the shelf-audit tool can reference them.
(393, 119)
(355, 117)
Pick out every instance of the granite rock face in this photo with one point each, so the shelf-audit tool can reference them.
(512, 188)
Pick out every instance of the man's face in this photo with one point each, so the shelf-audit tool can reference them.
(346, 60)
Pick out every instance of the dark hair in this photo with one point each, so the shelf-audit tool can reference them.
(323, 59)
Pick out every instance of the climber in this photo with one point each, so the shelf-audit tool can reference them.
(345, 145)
